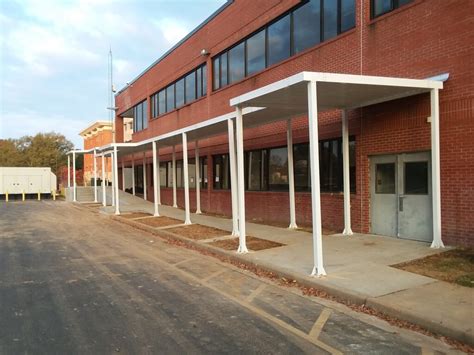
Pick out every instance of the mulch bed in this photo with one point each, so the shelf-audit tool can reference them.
(159, 221)
(455, 266)
(253, 243)
(198, 232)
(135, 215)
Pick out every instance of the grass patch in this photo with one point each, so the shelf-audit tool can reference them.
(455, 266)
(252, 244)
(198, 232)
(159, 221)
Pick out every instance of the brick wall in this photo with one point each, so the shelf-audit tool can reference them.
(423, 39)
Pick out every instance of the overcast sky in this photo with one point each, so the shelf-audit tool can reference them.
(54, 55)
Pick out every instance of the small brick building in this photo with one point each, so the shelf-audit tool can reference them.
(248, 44)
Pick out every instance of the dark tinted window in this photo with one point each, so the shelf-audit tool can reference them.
(221, 172)
(385, 178)
(161, 102)
(180, 93)
(256, 53)
(301, 167)
(191, 87)
(255, 166)
(199, 83)
(224, 70)
(416, 178)
(216, 72)
(278, 169)
(203, 172)
(170, 98)
(236, 63)
(380, 7)
(204, 80)
(307, 25)
(330, 19)
(279, 40)
(347, 14)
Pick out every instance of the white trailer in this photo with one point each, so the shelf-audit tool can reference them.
(26, 180)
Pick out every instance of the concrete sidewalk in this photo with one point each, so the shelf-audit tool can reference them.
(358, 270)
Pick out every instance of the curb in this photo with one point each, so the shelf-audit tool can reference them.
(338, 293)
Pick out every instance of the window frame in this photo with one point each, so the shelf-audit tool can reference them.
(395, 4)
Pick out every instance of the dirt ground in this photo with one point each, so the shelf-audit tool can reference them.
(253, 243)
(198, 232)
(135, 215)
(455, 266)
(159, 221)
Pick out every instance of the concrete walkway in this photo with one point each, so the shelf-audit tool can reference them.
(358, 269)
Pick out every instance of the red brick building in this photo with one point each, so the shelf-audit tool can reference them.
(248, 44)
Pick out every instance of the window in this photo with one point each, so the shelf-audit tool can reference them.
(236, 64)
(256, 172)
(221, 172)
(303, 27)
(256, 53)
(380, 7)
(301, 167)
(278, 169)
(279, 40)
(170, 105)
(307, 26)
(385, 178)
(329, 19)
(347, 15)
(140, 117)
(185, 90)
(163, 174)
(203, 172)
(190, 80)
(161, 102)
(416, 178)
(179, 87)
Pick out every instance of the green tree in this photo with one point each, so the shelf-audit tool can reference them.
(41, 150)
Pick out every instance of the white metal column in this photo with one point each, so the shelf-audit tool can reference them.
(68, 170)
(240, 181)
(347, 181)
(144, 177)
(435, 170)
(112, 177)
(175, 204)
(318, 268)
(133, 174)
(291, 176)
(74, 176)
(233, 177)
(156, 182)
(95, 176)
(197, 178)
(187, 212)
(123, 175)
(158, 176)
(104, 196)
(115, 179)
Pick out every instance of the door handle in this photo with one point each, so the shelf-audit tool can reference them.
(400, 203)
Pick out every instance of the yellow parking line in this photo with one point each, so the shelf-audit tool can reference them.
(320, 322)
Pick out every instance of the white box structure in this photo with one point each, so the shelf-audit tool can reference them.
(26, 180)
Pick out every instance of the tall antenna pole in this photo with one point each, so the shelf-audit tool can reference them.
(111, 95)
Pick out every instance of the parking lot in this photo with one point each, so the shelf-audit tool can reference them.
(75, 281)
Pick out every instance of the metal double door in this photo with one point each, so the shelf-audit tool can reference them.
(401, 202)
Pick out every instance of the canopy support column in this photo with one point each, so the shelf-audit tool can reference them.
(74, 176)
(115, 179)
(197, 178)
(158, 176)
(68, 170)
(123, 175)
(104, 197)
(133, 174)
(347, 181)
(318, 268)
(187, 212)
(175, 204)
(144, 177)
(112, 177)
(156, 182)
(240, 181)
(435, 170)
(233, 177)
(95, 176)
(291, 176)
